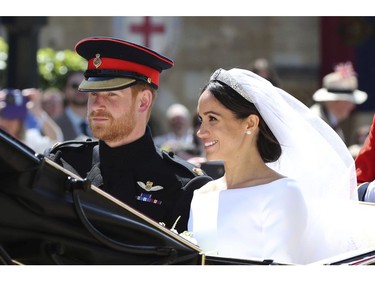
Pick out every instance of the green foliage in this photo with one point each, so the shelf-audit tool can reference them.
(52, 65)
(3, 59)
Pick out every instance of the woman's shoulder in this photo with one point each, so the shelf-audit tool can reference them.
(285, 189)
(214, 185)
(284, 184)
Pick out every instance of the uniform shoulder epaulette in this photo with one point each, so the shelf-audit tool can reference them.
(170, 156)
(77, 156)
(72, 144)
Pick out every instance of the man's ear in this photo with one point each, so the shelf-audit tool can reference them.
(145, 98)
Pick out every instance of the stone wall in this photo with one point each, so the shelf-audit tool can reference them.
(199, 45)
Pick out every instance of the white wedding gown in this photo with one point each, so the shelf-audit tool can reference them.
(269, 221)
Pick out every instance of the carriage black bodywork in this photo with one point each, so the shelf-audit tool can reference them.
(50, 216)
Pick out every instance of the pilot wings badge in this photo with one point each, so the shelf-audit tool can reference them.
(149, 186)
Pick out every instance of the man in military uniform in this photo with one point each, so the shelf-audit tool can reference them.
(121, 81)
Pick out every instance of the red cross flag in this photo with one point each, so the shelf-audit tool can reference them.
(158, 33)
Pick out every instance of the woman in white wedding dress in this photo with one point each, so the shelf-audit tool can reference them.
(289, 190)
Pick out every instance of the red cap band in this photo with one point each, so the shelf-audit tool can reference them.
(116, 64)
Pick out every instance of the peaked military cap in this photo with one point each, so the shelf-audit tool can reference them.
(115, 64)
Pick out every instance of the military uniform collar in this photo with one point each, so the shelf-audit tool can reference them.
(137, 149)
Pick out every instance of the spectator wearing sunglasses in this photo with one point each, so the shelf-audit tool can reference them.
(73, 121)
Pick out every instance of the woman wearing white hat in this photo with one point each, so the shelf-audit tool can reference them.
(338, 97)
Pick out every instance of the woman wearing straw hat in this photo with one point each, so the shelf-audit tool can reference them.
(338, 97)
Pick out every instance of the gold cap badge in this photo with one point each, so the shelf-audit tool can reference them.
(97, 61)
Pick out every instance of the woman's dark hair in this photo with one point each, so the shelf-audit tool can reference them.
(267, 144)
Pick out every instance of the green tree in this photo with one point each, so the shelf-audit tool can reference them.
(3, 59)
(52, 65)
